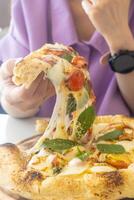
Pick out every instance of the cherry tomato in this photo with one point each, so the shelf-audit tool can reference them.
(76, 80)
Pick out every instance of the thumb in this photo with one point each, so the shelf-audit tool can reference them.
(7, 67)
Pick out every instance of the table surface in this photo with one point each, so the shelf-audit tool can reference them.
(15, 130)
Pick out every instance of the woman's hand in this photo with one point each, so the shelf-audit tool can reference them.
(110, 18)
(18, 101)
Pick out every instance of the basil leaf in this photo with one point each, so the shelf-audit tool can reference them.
(58, 144)
(71, 104)
(83, 155)
(111, 148)
(67, 57)
(84, 122)
(111, 135)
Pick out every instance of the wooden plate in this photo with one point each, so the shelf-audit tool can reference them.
(24, 145)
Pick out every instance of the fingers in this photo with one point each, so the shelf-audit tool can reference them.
(35, 93)
(6, 69)
(45, 90)
(34, 96)
(20, 93)
(36, 84)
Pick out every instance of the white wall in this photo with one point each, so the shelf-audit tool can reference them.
(4, 13)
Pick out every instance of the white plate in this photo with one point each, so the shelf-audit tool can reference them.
(14, 130)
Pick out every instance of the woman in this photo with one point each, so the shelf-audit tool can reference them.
(65, 21)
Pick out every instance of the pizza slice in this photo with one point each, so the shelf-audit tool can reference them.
(69, 74)
(79, 156)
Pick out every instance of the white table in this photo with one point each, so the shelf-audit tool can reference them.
(14, 130)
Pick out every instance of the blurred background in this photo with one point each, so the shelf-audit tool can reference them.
(5, 7)
(4, 13)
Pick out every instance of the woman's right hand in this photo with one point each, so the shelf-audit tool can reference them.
(19, 101)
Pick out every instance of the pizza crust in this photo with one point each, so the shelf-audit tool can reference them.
(113, 185)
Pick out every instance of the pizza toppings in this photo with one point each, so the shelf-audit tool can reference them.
(67, 53)
(76, 81)
(121, 161)
(67, 57)
(79, 62)
(59, 145)
(83, 155)
(75, 166)
(113, 135)
(57, 170)
(71, 104)
(102, 169)
(84, 122)
(128, 145)
(128, 135)
(111, 148)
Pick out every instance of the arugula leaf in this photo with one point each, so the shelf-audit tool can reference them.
(58, 144)
(67, 57)
(111, 148)
(71, 104)
(111, 135)
(84, 122)
(83, 155)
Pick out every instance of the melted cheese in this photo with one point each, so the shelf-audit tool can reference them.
(128, 145)
(100, 169)
(75, 166)
(56, 73)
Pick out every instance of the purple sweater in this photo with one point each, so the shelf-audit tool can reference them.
(34, 24)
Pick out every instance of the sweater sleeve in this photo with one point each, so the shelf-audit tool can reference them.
(15, 43)
(29, 28)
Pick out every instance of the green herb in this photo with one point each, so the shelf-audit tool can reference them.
(84, 122)
(58, 144)
(67, 57)
(111, 135)
(83, 155)
(71, 104)
(111, 148)
(57, 170)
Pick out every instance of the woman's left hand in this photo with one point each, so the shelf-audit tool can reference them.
(110, 18)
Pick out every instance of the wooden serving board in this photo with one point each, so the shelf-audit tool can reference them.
(24, 145)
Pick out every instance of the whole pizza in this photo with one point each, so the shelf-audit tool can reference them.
(80, 156)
